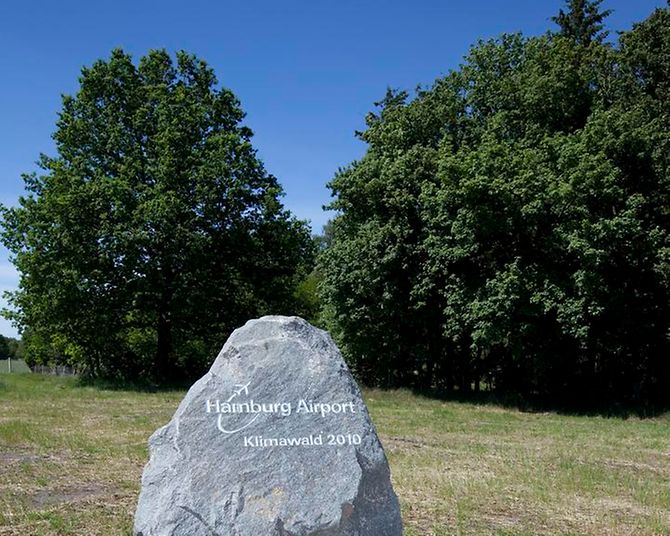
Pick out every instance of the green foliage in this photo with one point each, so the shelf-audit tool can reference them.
(583, 21)
(307, 298)
(155, 230)
(10, 347)
(647, 51)
(510, 225)
(15, 347)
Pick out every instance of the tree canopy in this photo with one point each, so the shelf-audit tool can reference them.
(583, 21)
(510, 225)
(155, 230)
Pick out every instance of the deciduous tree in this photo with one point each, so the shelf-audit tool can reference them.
(155, 230)
(510, 224)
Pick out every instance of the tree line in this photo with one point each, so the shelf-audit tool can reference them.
(10, 348)
(507, 228)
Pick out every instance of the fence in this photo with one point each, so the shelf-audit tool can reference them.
(59, 370)
(8, 365)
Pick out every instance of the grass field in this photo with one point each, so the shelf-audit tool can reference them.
(71, 459)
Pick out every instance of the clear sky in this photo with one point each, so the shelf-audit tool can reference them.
(306, 71)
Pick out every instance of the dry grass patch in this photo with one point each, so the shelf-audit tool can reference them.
(71, 458)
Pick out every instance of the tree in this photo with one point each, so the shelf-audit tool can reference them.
(509, 225)
(16, 348)
(647, 53)
(583, 21)
(155, 230)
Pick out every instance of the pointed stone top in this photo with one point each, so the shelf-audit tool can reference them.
(274, 440)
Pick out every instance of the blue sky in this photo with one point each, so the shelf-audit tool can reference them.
(306, 72)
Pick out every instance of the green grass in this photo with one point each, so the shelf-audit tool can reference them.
(71, 458)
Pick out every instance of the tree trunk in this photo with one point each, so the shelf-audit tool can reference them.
(164, 358)
(165, 362)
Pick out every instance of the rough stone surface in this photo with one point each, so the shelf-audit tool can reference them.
(221, 467)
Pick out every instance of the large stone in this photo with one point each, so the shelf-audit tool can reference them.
(274, 440)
